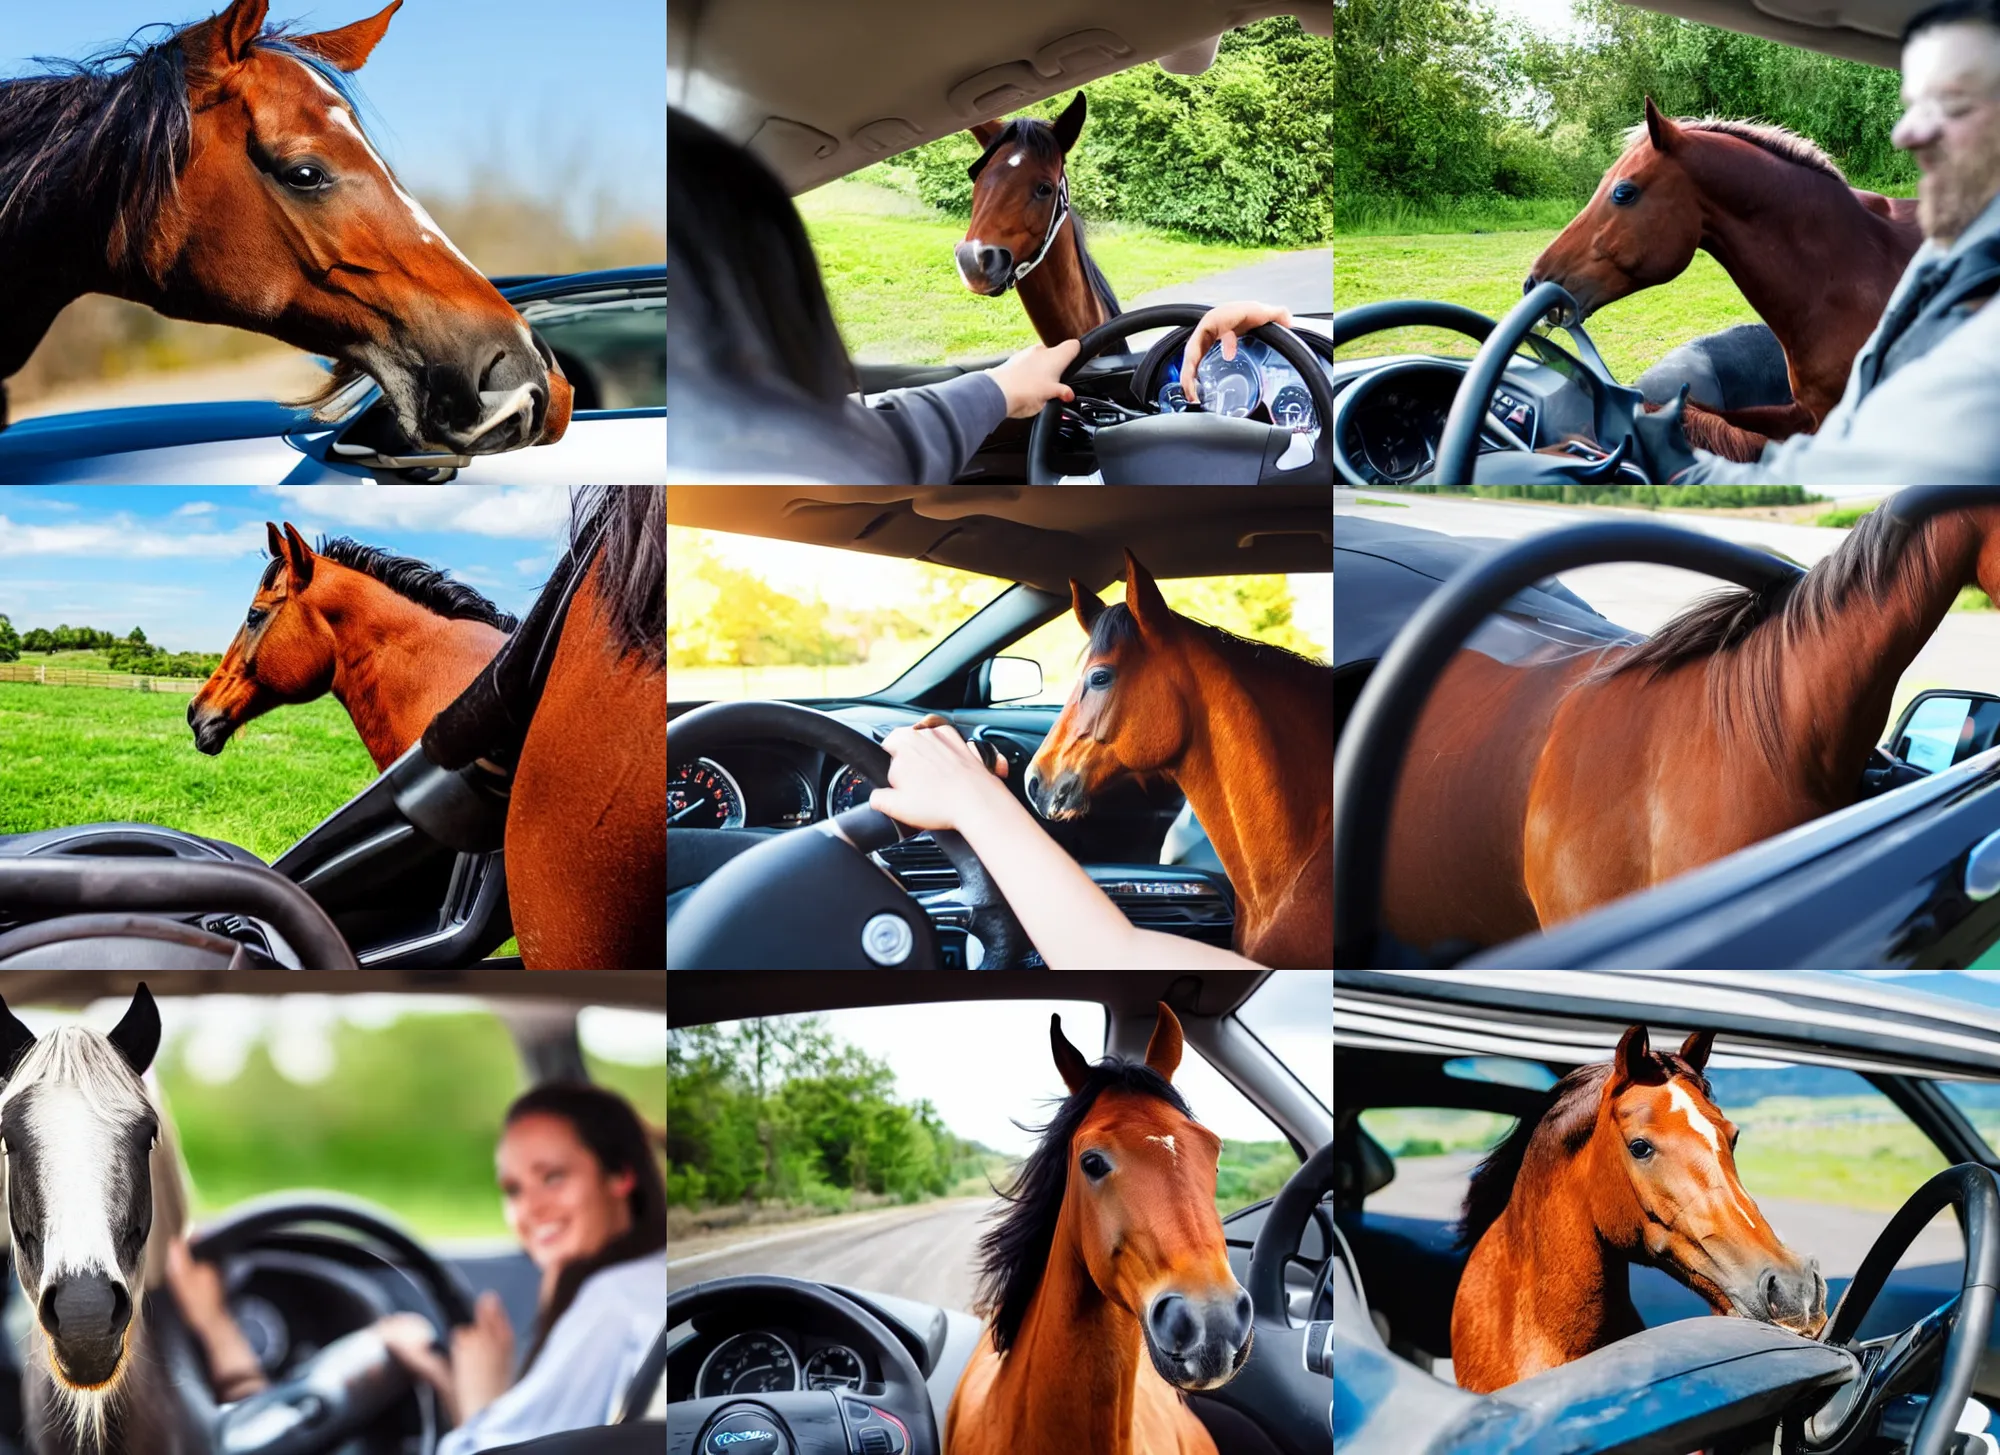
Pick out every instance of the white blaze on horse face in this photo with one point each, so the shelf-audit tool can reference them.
(1168, 1143)
(1677, 1095)
(75, 1152)
(1015, 160)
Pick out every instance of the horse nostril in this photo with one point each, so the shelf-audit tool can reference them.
(493, 367)
(1245, 1313)
(1173, 1323)
(1527, 285)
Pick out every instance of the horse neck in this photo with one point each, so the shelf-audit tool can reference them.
(1578, 1277)
(1060, 301)
(1074, 1362)
(1254, 729)
(397, 665)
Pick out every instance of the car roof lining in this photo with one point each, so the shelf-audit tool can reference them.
(818, 91)
(1859, 30)
(707, 999)
(1040, 537)
(632, 989)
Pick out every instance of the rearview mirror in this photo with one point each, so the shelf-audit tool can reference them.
(1939, 729)
(1009, 679)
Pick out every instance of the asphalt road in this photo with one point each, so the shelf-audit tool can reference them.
(1964, 652)
(1301, 281)
(926, 1253)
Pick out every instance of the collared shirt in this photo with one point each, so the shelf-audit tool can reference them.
(1933, 420)
(590, 1357)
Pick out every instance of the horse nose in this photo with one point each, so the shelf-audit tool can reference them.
(85, 1317)
(493, 397)
(1245, 1312)
(1527, 285)
(1174, 1326)
(1032, 786)
(1794, 1296)
(996, 262)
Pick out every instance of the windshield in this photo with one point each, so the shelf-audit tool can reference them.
(753, 618)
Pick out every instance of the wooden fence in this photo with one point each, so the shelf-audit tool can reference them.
(69, 677)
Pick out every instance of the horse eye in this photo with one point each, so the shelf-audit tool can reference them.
(1094, 1165)
(256, 617)
(1043, 189)
(305, 177)
(1101, 677)
(1639, 1147)
(1625, 194)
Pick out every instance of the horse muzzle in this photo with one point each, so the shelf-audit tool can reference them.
(1792, 1296)
(1065, 798)
(986, 270)
(1199, 1343)
(211, 728)
(85, 1317)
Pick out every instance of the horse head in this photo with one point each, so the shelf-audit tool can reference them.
(284, 219)
(78, 1131)
(1129, 710)
(1019, 197)
(1662, 1174)
(1641, 228)
(283, 652)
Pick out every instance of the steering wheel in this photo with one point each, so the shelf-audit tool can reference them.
(345, 1385)
(1949, 1340)
(841, 912)
(1274, 1389)
(1145, 447)
(805, 1422)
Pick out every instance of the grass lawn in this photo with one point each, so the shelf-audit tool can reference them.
(887, 262)
(80, 755)
(1484, 271)
(71, 661)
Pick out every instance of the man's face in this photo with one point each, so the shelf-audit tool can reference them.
(1951, 123)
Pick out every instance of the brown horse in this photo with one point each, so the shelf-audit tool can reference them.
(1111, 1249)
(1555, 783)
(1631, 1163)
(1240, 727)
(1023, 231)
(1815, 257)
(223, 175)
(395, 641)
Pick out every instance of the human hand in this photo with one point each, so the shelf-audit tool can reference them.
(413, 1342)
(1225, 321)
(203, 1302)
(1034, 376)
(482, 1355)
(936, 780)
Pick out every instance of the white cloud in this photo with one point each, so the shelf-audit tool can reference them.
(122, 536)
(522, 512)
(197, 507)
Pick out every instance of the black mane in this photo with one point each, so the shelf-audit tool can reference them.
(1014, 1252)
(1038, 139)
(633, 581)
(415, 581)
(1115, 626)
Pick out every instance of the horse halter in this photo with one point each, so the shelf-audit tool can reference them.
(1058, 214)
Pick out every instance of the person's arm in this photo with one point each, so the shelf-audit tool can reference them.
(939, 427)
(234, 1371)
(936, 781)
(1225, 321)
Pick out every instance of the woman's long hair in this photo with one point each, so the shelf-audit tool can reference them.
(606, 1124)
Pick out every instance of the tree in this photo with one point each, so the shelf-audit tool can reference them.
(10, 641)
(38, 639)
(138, 637)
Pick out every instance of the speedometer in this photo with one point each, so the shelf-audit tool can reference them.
(1292, 407)
(1229, 386)
(848, 790)
(753, 1363)
(702, 795)
(835, 1367)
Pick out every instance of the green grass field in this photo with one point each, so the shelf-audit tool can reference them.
(70, 661)
(1484, 271)
(887, 263)
(82, 755)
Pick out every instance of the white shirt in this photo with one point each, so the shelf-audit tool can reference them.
(583, 1370)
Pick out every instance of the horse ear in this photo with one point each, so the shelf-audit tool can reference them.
(1075, 1070)
(347, 48)
(223, 41)
(985, 131)
(1163, 1052)
(1069, 125)
(1143, 599)
(15, 1039)
(1085, 604)
(298, 559)
(137, 1035)
(1660, 128)
(1695, 1049)
(1633, 1061)
(274, 540)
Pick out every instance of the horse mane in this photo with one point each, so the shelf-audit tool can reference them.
(1569, 1119)
(1015, 1251)
(417, 581)
(633, 581)
(1115, 626)
(1784, 144)
(1038, 139)
(1762, 624)
(113, 129)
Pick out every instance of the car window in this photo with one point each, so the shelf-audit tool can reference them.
(1290, 1013)
(626, 1051)
(613, 354)
(1290, 611)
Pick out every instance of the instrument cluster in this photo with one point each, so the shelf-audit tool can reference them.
(1259, 374)
(773, 1361)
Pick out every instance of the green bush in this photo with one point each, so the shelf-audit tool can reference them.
(10, 641)
(1681, 497)
(1842, 517)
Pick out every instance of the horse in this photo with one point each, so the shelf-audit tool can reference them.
(1110, 1245)
(1632, 1162)
(1561, 780)
(1017, 235)
(396, 641)
(223, 175)
(1241, 727)
(94, 1200)
(1815, 257)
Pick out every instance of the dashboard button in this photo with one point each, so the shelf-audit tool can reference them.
(745, 1432)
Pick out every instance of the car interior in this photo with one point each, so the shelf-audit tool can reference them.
(905, 1358)
(790, 770)
(306, 1270)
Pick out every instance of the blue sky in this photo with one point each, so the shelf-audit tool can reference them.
(559, 89)
(184, 563)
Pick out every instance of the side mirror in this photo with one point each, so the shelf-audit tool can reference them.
(1939, 728)
(1009, 679)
